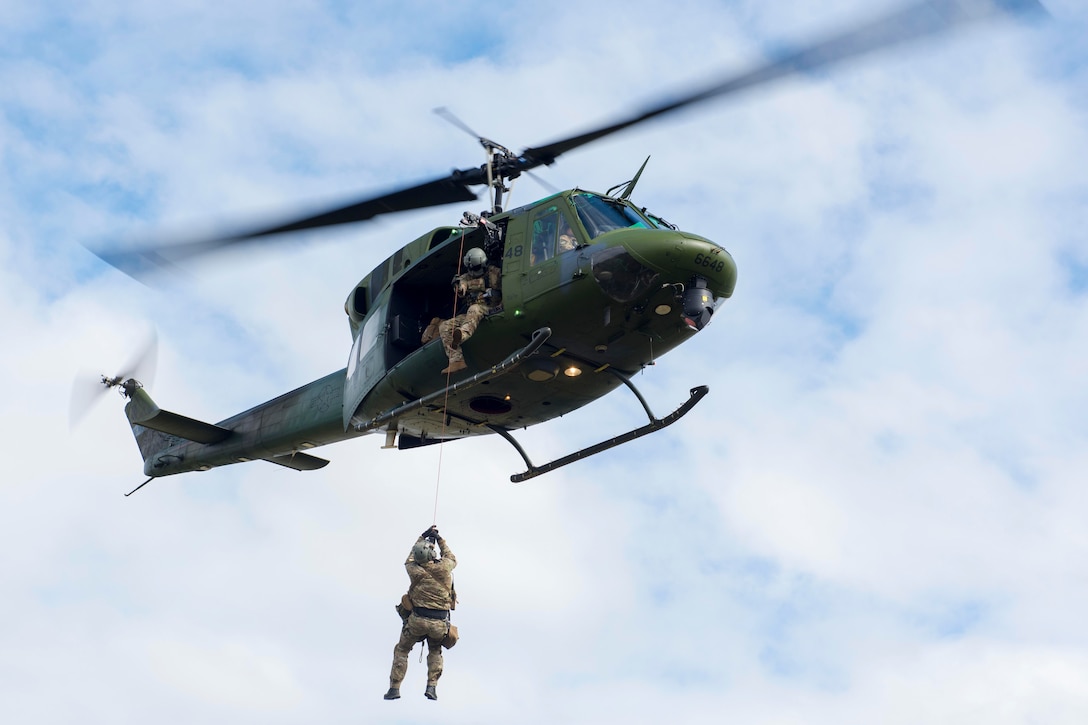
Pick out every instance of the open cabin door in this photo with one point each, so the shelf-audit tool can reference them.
(424, 291)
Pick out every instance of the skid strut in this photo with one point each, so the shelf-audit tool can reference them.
(655, 424)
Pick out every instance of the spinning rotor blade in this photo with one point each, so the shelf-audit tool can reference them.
(912, 22)
(442, 191)
(88, 389)
(432, 193)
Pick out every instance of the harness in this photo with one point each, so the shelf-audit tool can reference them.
(431, 613)
(480, 296)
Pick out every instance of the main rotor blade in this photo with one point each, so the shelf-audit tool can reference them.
(442, 191)
(910, 23)
(913, 22)
(438, 192)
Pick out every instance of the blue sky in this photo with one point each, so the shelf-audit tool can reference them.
(876, 515)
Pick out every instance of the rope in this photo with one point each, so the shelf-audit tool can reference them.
(445, 400)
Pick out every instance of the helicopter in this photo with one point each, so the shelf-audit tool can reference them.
(570, 326)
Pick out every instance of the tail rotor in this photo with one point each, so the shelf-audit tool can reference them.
(89, 388)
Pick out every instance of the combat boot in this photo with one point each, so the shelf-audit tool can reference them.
(430, 693)
(393, 694)
(455, 366)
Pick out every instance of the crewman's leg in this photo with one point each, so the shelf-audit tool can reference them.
(400, 657)
(434, 661)
(451, 340)
(432, 330)
(445, 330)
(471, 320)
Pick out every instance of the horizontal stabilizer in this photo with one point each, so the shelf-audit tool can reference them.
(299, 461)
(188, 428)
(142, 411)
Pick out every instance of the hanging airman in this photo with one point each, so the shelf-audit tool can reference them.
(425, 610)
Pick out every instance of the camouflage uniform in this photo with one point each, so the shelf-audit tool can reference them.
(470, 289)
(431, 589)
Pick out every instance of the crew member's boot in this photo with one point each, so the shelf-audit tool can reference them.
(393, 694)
(430, 693)
(454, 366)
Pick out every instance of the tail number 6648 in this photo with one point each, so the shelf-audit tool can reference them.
(705, 260)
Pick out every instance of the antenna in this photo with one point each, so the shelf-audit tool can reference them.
(629, 184)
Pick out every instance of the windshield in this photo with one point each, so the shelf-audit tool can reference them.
(600, 215)
(659, 222)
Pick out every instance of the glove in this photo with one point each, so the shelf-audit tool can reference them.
(431, 534)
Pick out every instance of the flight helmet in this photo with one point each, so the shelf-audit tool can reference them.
(475, 261)
(423, 551)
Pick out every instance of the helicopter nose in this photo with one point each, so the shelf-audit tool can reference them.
(646, 259)
(685, 257)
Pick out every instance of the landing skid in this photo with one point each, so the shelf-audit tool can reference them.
(655, 424)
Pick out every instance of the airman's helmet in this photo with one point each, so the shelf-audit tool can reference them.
(423, 551)
(475, 261)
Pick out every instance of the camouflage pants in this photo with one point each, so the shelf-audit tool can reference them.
(417, 629)
(467, 323)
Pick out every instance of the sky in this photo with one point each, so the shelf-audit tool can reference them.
(875, 516)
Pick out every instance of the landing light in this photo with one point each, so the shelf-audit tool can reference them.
(541, 371)
(573, 371)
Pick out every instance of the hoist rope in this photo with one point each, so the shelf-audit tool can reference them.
(446, 397)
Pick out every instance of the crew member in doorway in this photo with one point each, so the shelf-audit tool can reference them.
(431, 596)
(478, 293)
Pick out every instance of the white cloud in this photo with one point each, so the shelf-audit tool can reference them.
(876, 514)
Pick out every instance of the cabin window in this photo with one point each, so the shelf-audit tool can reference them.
(441, 235)
(377, 280)
(358, 301)
(545, 231)
(365, 341)
(369, 336)
(600, 215)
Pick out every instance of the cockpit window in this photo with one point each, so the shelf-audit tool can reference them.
(600, 215)
(552, 234)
